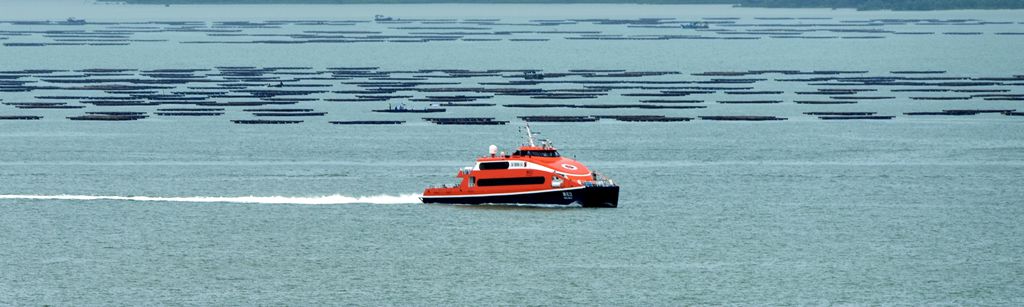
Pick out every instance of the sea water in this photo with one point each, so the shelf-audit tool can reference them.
(200, 211)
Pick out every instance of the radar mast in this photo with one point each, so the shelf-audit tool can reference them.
(529, 135)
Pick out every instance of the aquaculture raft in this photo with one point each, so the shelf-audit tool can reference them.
(264, 121)
(465, 121)
(369, 122)
(742, 118)
(19, 117)
(545, 118)
(104, 117)
(851, 117)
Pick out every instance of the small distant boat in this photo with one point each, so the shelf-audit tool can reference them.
(402, 109)
(695, 25)
(382, 18)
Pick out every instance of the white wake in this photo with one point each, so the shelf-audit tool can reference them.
(335, 199)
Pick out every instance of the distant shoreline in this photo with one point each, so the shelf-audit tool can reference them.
(895, 5)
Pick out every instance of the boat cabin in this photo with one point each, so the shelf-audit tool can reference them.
(534, 151)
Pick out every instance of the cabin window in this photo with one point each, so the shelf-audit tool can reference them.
(494, 165)
(536, 153)
(509, 181)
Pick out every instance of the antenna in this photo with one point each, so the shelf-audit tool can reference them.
(529, 135)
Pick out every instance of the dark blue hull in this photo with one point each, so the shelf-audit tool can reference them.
(607, 197)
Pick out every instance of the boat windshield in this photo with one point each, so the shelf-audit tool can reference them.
(536, 153)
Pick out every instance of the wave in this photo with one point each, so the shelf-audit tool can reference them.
(335, 199)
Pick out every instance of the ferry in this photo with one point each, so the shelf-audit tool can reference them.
(533, 174)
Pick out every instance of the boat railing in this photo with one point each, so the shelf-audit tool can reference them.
(599, 183)
(444, 186)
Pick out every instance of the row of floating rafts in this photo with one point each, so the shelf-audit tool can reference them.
(835, 92)
(665, 94)
(1015, 97)
(190, 112)
(969, 90)
(368, 91)
(563, 96)
(277, 112)
(849, 115)
(384, 97)
(109, 116)
(600, 106)
(284, 112)
(251, 25)
(862, 97)
(520, 92)
(908, 72)
(637, 21)
(453, 98)
(377, 84)
(783, 72)
(598, 21)
(753, 92)
(457, 104)
(480, 39)
(124, 116)
(942, 98)
(374, 98)
(552, 118)
(243, 103)
(925, 90)
(841, 100)
(645, 118)
(921, 21)
(805, 37)
(749, 101)
(588, 74)
(1010, 112)
(825, 101)
(729, 81)
(355, 99)
(464, 121)
(43, 105)
(741, 118)
(368, 122)
(130, 116)
(906, 83)
(265, 121)
(840, 113)
(671, 101)
(20, 117)
(618, 73)
(401, 108)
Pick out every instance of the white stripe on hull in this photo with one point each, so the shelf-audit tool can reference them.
(535, 166)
